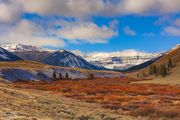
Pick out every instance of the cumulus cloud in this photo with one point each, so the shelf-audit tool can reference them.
(86, 32)
(66, 8)
(129, 31)
(85, 8)
(173, 29)
(177, 22)
(10, 11)
(28, 33)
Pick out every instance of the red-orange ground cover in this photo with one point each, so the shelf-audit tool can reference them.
(118, 94)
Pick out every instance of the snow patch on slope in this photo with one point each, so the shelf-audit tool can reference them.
(21, 47)
(121, 59)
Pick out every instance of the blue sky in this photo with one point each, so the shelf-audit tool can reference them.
(89, 26)
(143, 26)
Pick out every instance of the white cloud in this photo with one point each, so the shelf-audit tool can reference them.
(67, 8)
(113, 24)
(129, 31)
(86, 8)
(10, 11)
(172, 30)
(177, 22)
(27, 32)
(86, 32)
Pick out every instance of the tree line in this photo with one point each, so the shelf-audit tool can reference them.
(159, 70)
(59, 76)
(55, 77)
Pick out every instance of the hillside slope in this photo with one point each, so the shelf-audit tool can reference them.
(28, 70)
(7, 56)
(174, 74)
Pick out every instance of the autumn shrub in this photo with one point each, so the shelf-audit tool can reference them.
(67, 90)
(143, 111)
(169, 113)
(112, 107)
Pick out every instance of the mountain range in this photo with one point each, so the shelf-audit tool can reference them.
(8, 56)
(121, 60)
(21, 48)
(64, 58)
(61, 58)
(114, 60)
(68, 59)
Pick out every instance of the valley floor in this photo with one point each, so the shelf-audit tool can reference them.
(25, 104)
(100, 99)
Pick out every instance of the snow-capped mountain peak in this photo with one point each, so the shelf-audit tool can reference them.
(7, 56)
(68, 59)
(21, 47)
(120, 59)
(61, 50)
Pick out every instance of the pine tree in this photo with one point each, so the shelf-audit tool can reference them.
(91, 76)
(163, 71)
(138, 75)
(60, 76)
(67, 76)
(157, 71)
(151, 70)
(154, 69)
(170, 64)
(54, 76)
(143, 73)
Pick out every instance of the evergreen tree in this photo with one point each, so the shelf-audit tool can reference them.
(138, 75)
(67, 76)
(163, 71)
(154, 69)
(157, 71)
(170, 64)
(60, 76)
(151, 70)
(54, 76)
(91, 76)
(143, 73)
